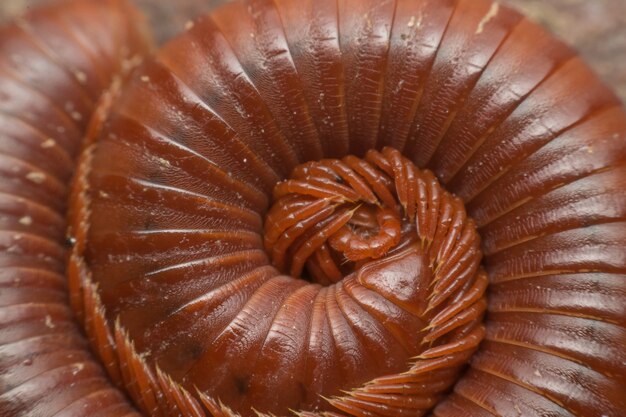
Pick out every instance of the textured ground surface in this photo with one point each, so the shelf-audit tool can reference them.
(597, 29)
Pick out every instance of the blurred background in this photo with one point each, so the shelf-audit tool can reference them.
(596, 28)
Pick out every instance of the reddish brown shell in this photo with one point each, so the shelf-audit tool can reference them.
(54, 64)
(170, 276)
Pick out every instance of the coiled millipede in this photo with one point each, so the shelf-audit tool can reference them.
(308, 207)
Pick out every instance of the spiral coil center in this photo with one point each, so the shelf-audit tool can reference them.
(334, 216)
(383, 224)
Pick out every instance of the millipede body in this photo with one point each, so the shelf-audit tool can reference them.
(317, 208)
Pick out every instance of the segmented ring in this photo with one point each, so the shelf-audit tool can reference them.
(184, 296)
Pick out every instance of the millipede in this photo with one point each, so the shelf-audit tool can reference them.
(311, 208)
